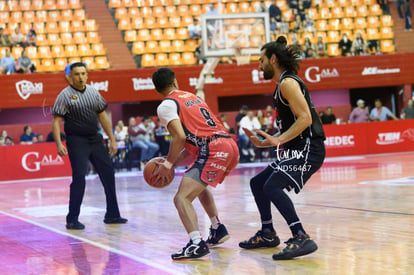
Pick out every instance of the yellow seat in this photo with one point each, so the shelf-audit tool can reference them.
(337, 12)
(79, 38)
(347, 23)
(178, 46)
(75, 4)
(334, 24)
(386, 21)
(156, 34)
(375, 10)
(29, 16)
(387, 46)
(333, 37)
(71, 50)
(90, 62)
(148, 60)
(66, 38)
(84, 50)
(161, 59)
(98, 49)
(182, 33)
(41, 40)
(43, 52)
(386, 33)
(158, 11)
(54, 39)
(31, 52)
(92, 38)
(188, 58)
(333, 50)
(151, 47)
(175, 59)
(62, 5)
(143, 35)
(165, 46)
(138, 47)
(362, 11)
(349, 11)
(373, 21)
(66, 15)
(47, 65)
(58, 51)
(101, 63)
(53, 16)
(130, 35)
(360, 23)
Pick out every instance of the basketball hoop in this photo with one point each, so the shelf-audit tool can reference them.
(241, 58)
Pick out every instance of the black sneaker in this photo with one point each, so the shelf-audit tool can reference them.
(75, 225)
(192, 251)
(118, 220)
(261, 239)
(217, 236)
(296, 246)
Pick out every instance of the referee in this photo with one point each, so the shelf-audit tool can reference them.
(81, 107)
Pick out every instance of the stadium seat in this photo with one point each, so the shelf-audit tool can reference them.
(156, 34)
(4, 17)
(53, 16)
(148, 60)
(25, 27)
(324, 13)
(65, 26)
(52, 27)
(25, 5)
(186, 20)
(182, 10)
(101, 63)
(31, 52)
(16, 52)
(257, 41)
(133, 12)
(79, 38)
(386, 33)
(356, 3)
(37, 5)
(29, 16)
(333, 37)
(321, 25)
(84, 50)
(174, 59)
(49, 5)
(373, 22)
(188, 58)
(16, 17)
(75, 4)
(43, 52)
(347, 23)
(244, 7)
(375, 10)
(77, 26)
(137, 23)
(360, 23)
(62, 5)
(175, 21)
(129, 3)
(330, 3)
(170, 11)
(372, 34)
(178, 46)
(98, 49)
(333, 50)
(13, 5)
(90, 25)
(41, 16)
(138, 47)
(386, 21)
(334, 24)
(114, 4)
(143, 35)
(231, 8)
(313, 13)
(66, 38)
(362, 11)
(191, 45)
(54, 39)
(90, 62)
(343, 3)
(161, 59)
(130, 36)
(58, 51)
(41, 40)
(60, 64)
(124, 24)
(66, 15)
(165, 46)
(47, 65)
(182, 33)
(387, 46)
(150, 22)
(146, 12)
(71, 50)
(151, 46)
(158, 11)
(79, 14)
(349, 11)
(92, 37)
(337, 12)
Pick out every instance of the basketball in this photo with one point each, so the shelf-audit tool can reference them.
(150, 176)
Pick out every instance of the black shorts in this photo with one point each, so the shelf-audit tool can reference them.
(295, 165)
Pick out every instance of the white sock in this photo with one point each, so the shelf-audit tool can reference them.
(215, 222)
(195, 236)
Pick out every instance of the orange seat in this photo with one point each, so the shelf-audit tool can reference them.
(143, 35)
(186, 20)
(98, 49)
(90, 62)
(37, 5)
(92, 37)
(151, 47)
(130, 36)
(174, 59)
(195, 10)
(16, 52)
(343, 3)
(373, 34)
(188, 58)
(47, 65)
(79, 38)
(65, 26)
(138, 47)
(330, 3)
(60, 64)
(25, 5)
(347, 23)
(169, 34)
(58, 51)
(321, 25)
(79, 14)
(333, 50)
(257, 41)
(43, 52)
(41, 40)
(386, 33)
(25, 27)
(313, 14)
(62, 4)
(137, 23)
(133, 12)
(325, 13)
(114, 3)
(362, 11)
(349, 11)
(387, 46)
(156, 34)
(77, 26)
(334, 24)
(28, 16)
(182, 10)
(148, 60)
(75, 4)
(375, 10)
(244, 7)
(16, 17)
(356, 3)
(165, 46)
(31, 52)
(170, 11)
(161, 59)
(124, 24)
(146, 11)
(373, 22)
(182, 33)
(131, 3)
(84, 50)
(13, 5)
(386, 21)
(178, 46)
(158, 11)
(4, 17)
(49, 5)
(162, 22)
(333, 37)
(66, 38)
(54, 39)
(71, 50)
(41, 16)
(52, 27)
(150, 22)
(360, 23)
(53, 16)
(66, 15)
(101, 63)
(337, 12)
(90, 25)
(191, 45)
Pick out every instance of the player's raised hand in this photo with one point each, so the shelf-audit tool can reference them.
(253, 138)
(273, 140)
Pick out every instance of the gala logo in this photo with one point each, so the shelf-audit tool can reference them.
(32, 162)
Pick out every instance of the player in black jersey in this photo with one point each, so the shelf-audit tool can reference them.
(302, 138)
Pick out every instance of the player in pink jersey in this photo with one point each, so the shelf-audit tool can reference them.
(196, 133)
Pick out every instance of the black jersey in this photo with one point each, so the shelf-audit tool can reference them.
(286, 118)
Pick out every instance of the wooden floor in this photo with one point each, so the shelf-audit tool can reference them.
(360, 211)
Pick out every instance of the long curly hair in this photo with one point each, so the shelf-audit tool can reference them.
(288, 57)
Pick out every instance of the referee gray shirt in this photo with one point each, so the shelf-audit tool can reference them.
(80, 110)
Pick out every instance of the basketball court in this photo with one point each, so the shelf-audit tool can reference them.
(358, 209)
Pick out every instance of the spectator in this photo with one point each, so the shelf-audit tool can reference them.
(310, 53)
(399, 4)
(328, 117)
(17, 38)
(260, 7)
(261, 118)
(50, 137)
(120, 136)
(320, 47)
(31, 38)
(381, 113)
(27, 136)
(2, 141)
(199, 53)
(194, 29)
(142, 137)
(345, 45)
(407, 15)
(223, 119)
(307, 44)
(124, 128)
(295, 40)
(9, 141)
(40, 138)
(4, 38)
(275, 16)
(7, 63)
(4, 134)
(242, 112)
(408, 112)
(250, 122)
(359, 113)
(309, 24)
(360, 45)
(385, 6)
(297, 24)
(163, 138)
(24, 64)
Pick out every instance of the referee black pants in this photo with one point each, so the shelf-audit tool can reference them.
(81, 150)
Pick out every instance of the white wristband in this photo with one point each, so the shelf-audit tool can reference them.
(168, 164)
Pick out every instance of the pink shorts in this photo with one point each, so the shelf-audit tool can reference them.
(214, 161)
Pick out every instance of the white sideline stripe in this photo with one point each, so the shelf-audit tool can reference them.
(102, 246)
